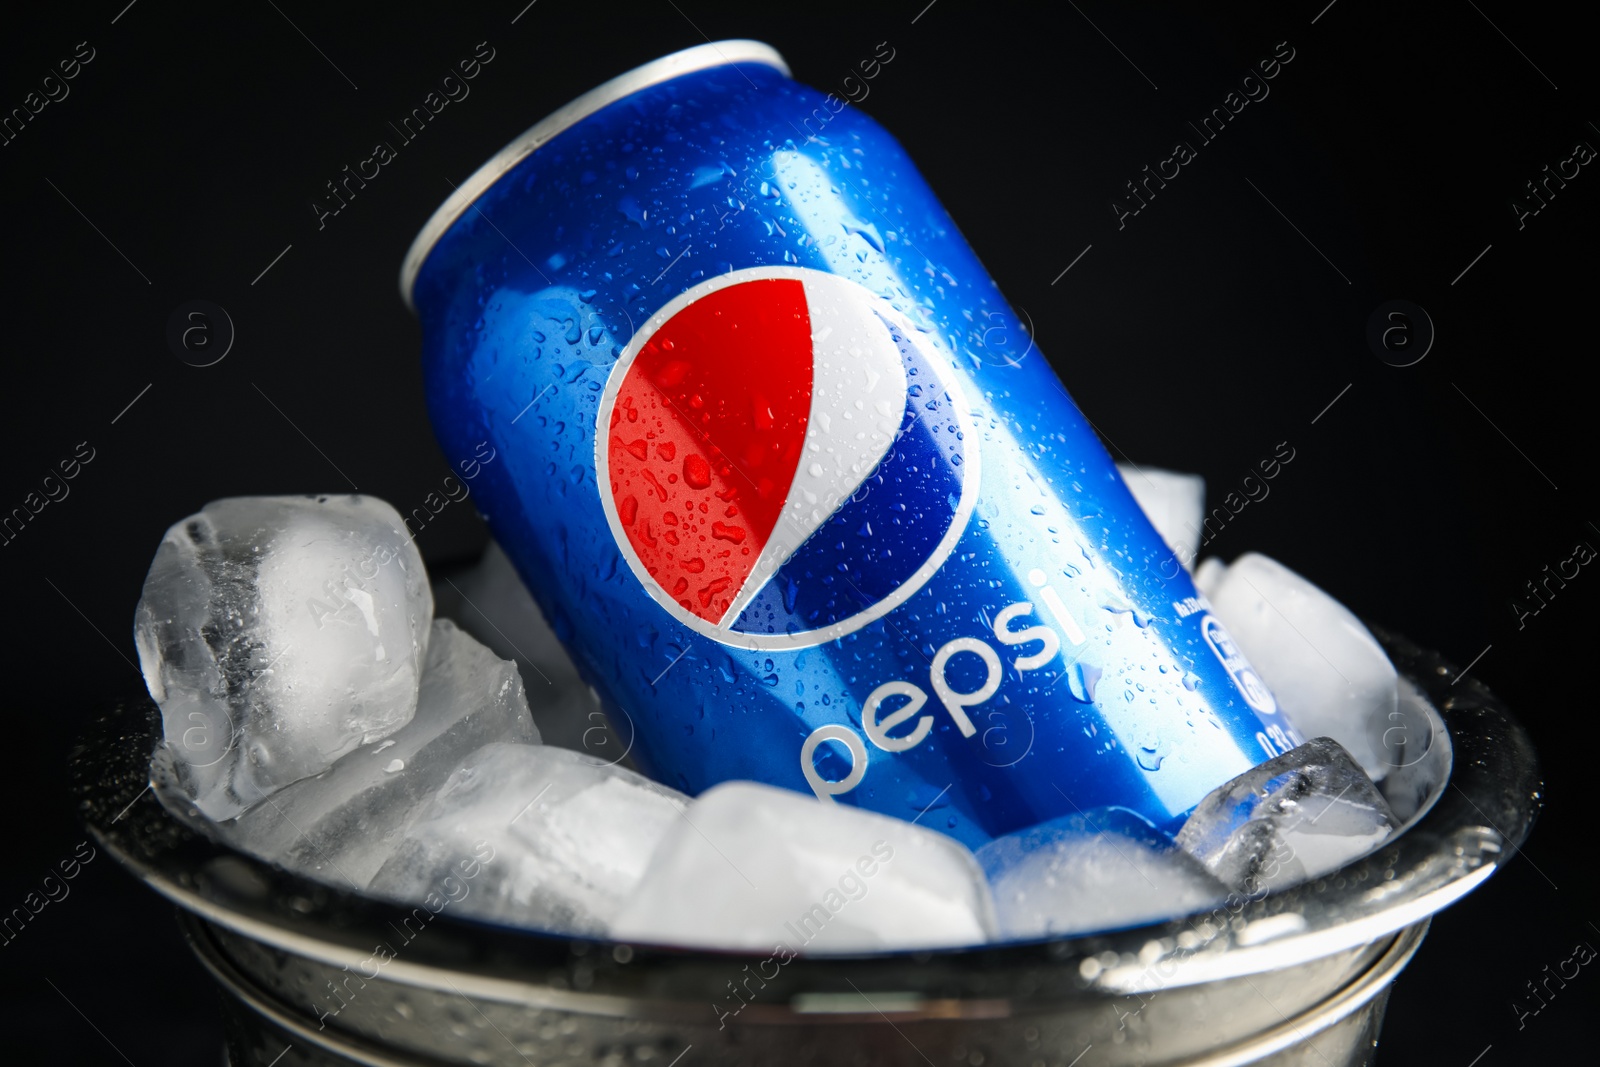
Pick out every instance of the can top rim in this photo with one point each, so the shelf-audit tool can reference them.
(700, 57)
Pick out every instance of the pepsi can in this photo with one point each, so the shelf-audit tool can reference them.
(761, 436)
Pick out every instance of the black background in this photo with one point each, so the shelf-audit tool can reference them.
(1207, 330)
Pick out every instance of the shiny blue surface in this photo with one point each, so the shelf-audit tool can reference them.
(529, 300)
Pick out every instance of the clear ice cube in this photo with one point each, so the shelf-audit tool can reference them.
(1209, 574)
(562, 838)
(1101, 870)
(1328, 672)
(491, 603)
(278, 634)
(341, 825)
(1303, 814)
(755, 867)
(1416, 752)
(1174, 503)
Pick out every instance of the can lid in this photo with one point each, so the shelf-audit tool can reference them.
(700, 57)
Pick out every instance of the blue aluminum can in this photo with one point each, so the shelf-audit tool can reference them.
(767, 445)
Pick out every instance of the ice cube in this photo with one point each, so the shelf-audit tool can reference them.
(562, 838)
(1100, 870)
(754, 867)
(1174, 504)
(491, 603)
(341, 825)
(165, 784)
(278, 634)
(1416, 752)
(1294, 817)
(1209, 574)
(1328, 672)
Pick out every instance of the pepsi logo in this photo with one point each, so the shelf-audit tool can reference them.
(783, 457)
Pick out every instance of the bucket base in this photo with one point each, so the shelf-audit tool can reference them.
(1339, 1031)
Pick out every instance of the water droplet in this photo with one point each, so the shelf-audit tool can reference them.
(696, 471)
(1081, 682)
(1117, 606)
(632, 211)
(866, 231)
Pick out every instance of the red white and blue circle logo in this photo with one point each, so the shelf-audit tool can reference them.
(783, 457)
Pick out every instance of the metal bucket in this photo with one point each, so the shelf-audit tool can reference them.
(1297, 977)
